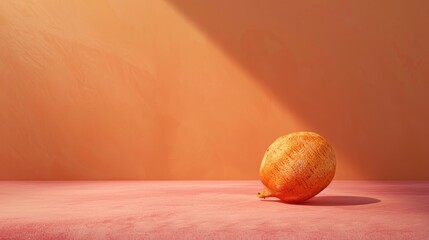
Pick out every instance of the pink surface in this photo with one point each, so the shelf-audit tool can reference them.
(209, 210)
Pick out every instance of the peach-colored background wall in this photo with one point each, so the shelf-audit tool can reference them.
(199, 89)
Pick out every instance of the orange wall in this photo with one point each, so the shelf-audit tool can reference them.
(199, 89)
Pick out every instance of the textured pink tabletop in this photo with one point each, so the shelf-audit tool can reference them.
(210, 210)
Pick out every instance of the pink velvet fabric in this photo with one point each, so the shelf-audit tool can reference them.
(210, 210)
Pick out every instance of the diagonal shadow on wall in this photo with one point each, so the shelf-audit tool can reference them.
(353, 71)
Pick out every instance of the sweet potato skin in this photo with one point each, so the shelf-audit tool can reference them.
(297, 166)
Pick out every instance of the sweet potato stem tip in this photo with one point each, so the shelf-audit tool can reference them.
(265, 193)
